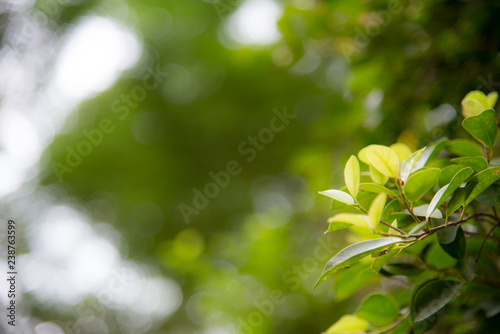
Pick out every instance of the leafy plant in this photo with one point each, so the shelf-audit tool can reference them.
(426, 221)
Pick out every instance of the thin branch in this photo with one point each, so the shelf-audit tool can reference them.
(484, 241)
(393, 227)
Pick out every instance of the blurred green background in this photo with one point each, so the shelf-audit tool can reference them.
(116, 115)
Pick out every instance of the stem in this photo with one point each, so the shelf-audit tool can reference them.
(433, 230)
(405, 203)
(393, 227)
(484, 241)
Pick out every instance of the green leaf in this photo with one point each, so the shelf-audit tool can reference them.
(447, 173)
(401, 150)
(447, 190)
(432, 296)
(381, 261)
(458, 199)
(378, 189)
(343, 220)
(464, 148)
(377, 177)
(420, 182)
(384, 159)
(491, 196)
(338, 196)
(348, 324)
(476, 163)
(378, 309)
(348, 282)
(354, 253)
(483, 179)
(390, 209)
(351, 175)
(492, 99)
(483, 127)
(408, 165)
(376, 209)
(457, 247)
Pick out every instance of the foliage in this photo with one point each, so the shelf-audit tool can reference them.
(421, 227)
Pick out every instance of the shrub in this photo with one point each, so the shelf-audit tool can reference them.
(426, 221)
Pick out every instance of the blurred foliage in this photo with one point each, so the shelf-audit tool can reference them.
(352, 73)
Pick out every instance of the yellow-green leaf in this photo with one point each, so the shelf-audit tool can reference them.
(401, 150)
(377, 177)
(474, 103)
(348, 324)
(492, 99)
(376, 209)
(362, 154)
(352, 175)
(343, 220)
(384, 159)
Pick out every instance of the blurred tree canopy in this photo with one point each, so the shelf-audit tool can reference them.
(351, 73)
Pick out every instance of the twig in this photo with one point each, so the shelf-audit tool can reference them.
(484, 241)
(393, 227)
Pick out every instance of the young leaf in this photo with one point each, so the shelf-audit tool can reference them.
(338, 195)
(351, 175)
(476, 163)
(377, 177)
(420, 182)
(464, 148)
(348, 324)
(447, 190)
(492, 99)
(483, 127)
(471, 107)
(483, 179)
(362, 154)
(378, 309)
(408, 164)
(354, 253)
(432, 296)
(376, 188)
(384, 159)
(401, 150)
(343, 220)
(474, 103)
(376, 209)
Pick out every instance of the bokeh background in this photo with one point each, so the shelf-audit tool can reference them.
(115, 116)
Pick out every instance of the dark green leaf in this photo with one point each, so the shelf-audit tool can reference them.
(432, 296)
(457, 247)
